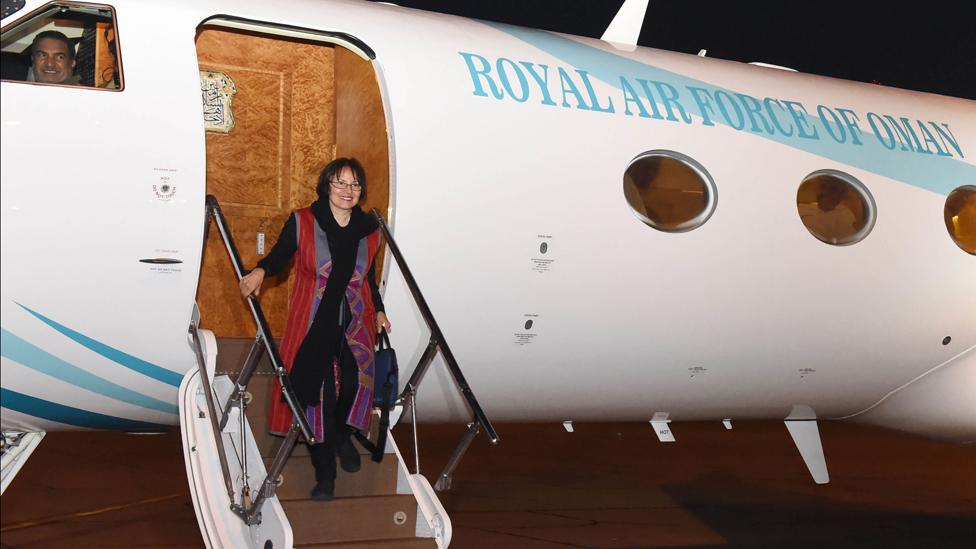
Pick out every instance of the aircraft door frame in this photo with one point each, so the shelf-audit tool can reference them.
(249, 214)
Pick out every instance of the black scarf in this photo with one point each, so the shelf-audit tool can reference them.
(325, 335)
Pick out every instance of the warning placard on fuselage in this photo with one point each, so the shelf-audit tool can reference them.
(542, 259)
(527, 331)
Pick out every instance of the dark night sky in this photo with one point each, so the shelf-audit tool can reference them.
(925, 46)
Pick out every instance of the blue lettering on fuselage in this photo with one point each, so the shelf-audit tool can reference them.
(783, 119)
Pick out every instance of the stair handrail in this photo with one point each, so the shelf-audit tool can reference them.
(437, 341)
(249, 510)
(212, 411)
(264, 331)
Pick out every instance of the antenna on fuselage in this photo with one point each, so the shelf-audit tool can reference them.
(626, 25)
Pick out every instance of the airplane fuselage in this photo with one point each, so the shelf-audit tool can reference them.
(508, 149)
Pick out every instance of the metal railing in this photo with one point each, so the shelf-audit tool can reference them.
(248, 510)
(408, 397)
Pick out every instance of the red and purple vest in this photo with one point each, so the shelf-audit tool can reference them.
(313, 264)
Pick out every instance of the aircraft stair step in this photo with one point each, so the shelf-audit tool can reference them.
(352, 519)
(374, 479)
(233, 351)
(403, 543)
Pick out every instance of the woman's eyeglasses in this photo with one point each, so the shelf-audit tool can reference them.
(354, 185)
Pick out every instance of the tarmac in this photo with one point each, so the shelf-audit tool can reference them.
(602, 486)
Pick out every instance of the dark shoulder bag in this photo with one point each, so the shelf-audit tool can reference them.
(384, 396)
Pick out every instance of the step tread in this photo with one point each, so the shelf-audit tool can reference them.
(373, 479)
(398, 543)
(232, 351)
(352, 500)
(356, 518)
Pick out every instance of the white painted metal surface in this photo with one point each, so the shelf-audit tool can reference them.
(430, 509)
(219, 525)
(626, 25)
(620, 312)
(662, 428)
(80, 211)
(21, 446)
(806, 436)
(942, 400)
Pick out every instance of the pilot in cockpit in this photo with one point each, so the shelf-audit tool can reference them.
(52, 59)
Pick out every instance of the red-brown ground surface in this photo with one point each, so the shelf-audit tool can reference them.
(604, 486)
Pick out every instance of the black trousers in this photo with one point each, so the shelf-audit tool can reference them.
(334, 413)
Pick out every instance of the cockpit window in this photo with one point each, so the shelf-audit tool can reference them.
(835, 207)
(64, 45)
(960, 217)
(669, 191)
(10, 7)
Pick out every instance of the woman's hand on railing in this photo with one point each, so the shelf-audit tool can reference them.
(251, 283)
(383, 323)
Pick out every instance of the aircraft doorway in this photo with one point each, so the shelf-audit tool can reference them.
(279, 104)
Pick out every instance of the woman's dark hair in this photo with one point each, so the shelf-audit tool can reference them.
(332, 171)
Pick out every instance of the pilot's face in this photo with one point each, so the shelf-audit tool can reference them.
(52, 62)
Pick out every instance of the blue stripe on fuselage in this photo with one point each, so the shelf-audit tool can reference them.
(133, 363)
(51, 411)
(935, 173)
(38, 359)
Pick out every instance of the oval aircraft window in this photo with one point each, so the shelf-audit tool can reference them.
(669, 191)
(835, 207)
(960, 217)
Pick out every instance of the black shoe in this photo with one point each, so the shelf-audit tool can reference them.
(324, 490)
(348, 456)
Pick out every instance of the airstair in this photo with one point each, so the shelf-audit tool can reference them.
(251, 489)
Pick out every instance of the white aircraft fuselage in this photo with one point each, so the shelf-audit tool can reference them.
(503, 139)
